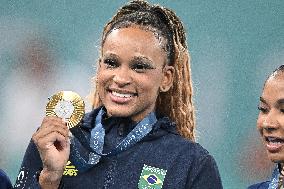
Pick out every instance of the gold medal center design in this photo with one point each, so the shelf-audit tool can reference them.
(64, 109)
(67, 105)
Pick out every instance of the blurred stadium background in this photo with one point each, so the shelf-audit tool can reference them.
(48, 46)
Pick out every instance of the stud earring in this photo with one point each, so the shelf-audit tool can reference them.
(162, 89)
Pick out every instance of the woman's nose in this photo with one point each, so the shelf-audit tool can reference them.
(122, 77)
(270, 122)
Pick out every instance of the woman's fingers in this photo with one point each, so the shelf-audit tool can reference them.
(52, 128)
(52, 133)
(49, 125)
(52, 139)
(52, 121)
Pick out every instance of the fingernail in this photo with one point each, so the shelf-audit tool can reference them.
(70, 134)
(69, 140)
(64, 120)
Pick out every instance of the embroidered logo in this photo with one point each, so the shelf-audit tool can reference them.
(151, 177)
(70, 170)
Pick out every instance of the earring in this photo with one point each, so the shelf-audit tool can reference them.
(162, 89)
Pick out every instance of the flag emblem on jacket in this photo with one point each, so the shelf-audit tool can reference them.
(151, 177)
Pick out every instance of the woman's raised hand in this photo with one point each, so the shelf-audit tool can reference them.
(52, 141)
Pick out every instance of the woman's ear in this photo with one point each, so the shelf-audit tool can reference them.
(99, 62)
(168, 76)
(99, 65)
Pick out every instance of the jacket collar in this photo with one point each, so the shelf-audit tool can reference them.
(89, 118)
(163, 123)
(275, 177)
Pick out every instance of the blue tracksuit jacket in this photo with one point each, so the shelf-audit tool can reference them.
(162, 159)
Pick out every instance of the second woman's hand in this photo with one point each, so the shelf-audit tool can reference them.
(52, 141)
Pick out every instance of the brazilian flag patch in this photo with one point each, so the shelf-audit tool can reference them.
(151, 178)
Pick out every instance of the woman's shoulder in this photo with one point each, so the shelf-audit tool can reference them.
(273, 181)
(4, 180)
(3, 175)
(194, 149)
(173, 139)
(262, 185)
(190, 146)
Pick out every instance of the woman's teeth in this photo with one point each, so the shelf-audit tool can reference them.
(121, 95)
(274, 140)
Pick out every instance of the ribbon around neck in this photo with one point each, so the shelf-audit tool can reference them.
(84, 161)
(275, 178)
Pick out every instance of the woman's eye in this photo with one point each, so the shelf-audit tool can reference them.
(141, 67)
(281, 110)
(110, 63)
(262, 109)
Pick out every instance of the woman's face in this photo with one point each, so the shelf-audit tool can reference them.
(270, 122)
(131, 72)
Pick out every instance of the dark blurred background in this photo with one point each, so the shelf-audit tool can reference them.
(48, 46)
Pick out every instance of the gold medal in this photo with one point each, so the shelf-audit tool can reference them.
(67, 105)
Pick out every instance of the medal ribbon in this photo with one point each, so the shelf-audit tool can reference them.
(96, 143)
(276, 181)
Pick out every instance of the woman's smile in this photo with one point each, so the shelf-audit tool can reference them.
(273, 143)
(121, 96)
(131, 73)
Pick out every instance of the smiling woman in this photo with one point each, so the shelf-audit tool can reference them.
(141, 131)
(270, 124)
(130, 74)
